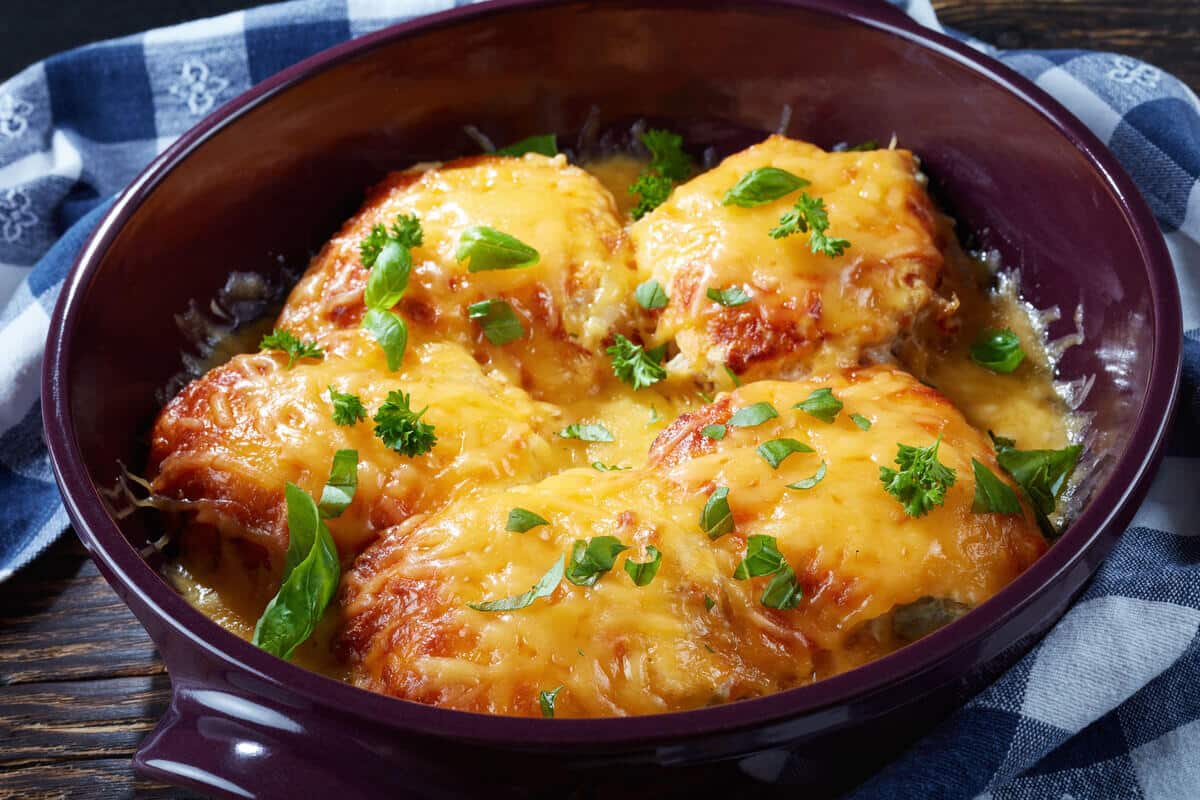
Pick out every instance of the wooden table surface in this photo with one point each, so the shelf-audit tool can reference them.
(81, 683)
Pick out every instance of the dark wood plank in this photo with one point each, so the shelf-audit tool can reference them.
(1163, 32)
(95, 779)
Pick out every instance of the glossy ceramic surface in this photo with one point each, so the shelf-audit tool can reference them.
(267, 178)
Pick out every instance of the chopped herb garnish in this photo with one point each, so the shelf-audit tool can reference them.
(705, 396)
(545, 144)
(922, 480)
(1042, 474)
(500, 323)
(809, 215)
(543, 588)
(728, 297)
(406, 233)
(654, 417)
(716, 431)
(862, 147)
(401, 429)
(668, 164)
(716, 519)
(643, 572)
(600, 466)
(390, 331)
(783, 590)
(822, 405)
(339, 489)
(762, 558)
(592, 558)
(489, 249)
(709, 603)
(282, 340)
(311, 572)
(347, 408)
(587, 432)
(776, 450)
(997, 350)
(522, 519)
(650, 295)
(762, 185)
(753, 415)
(992, 495)
(635, 365)
(861, 421)
(546, 700)
(733, 376)
(387, 254)
(808, 483)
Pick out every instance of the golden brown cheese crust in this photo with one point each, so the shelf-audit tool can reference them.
(621, 649)
(807, 311)
(570, 302)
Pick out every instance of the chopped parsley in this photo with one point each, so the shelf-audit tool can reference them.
(650, 295)
(776, 450)
(643, 572)
(592, 558)
(405, 232)
(808, 483)
(347, 408)
(489, 249)
(545, 144)
(716, 431)
(809, 215)
(543, 588)
(716, 519)
(401, 429)
(822, 405)
(992, 495)
(635, 365)
(546, 699)
(753, 415)
(762, 185)
(587, 432)
(997, 350)
(728, 297)
(500, 323)
(668, 164)
(339, 489)
(861, 421)
(922, 480)
(285, 341)
(521, 520)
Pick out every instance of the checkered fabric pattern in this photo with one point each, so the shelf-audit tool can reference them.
(1105, 707)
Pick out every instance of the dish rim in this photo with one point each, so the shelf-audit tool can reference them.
(135, 579)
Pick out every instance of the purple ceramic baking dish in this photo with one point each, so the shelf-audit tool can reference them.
(264, 180)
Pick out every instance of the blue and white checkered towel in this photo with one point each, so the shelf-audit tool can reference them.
(1107, 706)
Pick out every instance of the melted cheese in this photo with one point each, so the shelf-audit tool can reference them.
(622, 649)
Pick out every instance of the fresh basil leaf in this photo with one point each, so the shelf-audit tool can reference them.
(808, 483)
(709, 603)
(489, 249)
(587, 432)
(997, 350)
(1043, 474)
(643, 572)
(861, 421)
(762, 185)
(716, 519)
(543, 588)
(1002, 442)
(753, 415)
(309, 583)
(500, 323)
(592, 558)
(762, 558)
(776, 450)
(343, 480)
(389, 276)
(545, 144)
(729, 297)
(650, 295)
(546, 700)
(714, 431)
(862, 147)
(783, 591)
(992, 495)
(522, 519)
(390, 331)
(822, 405)
(733, 376)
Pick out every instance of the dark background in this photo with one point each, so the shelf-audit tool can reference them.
(1163, 32)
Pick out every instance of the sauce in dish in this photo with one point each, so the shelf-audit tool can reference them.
(535, 438)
